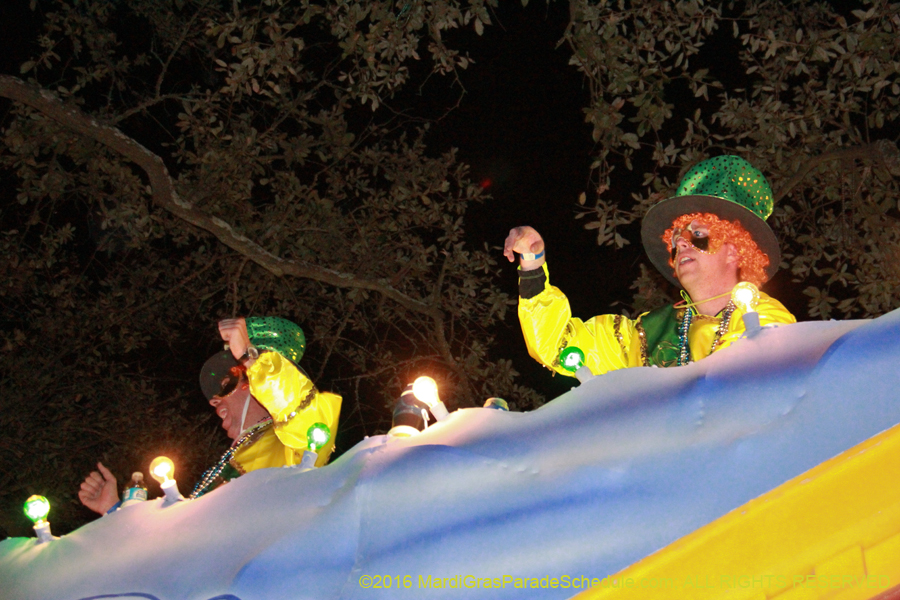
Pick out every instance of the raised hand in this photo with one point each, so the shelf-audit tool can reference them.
(99, 491)
(234, 331)
(524, 240)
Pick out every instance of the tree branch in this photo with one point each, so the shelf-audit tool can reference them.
(165, 196)
(877, 151)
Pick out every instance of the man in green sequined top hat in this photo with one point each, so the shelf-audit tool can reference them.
(711, 235)
(265, 400)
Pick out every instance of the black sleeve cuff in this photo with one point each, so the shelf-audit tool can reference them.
(532, 283)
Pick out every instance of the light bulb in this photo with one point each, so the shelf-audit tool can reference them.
(37, 508)
(745, 296)
(317, 436)
(571, 358)
(497, 404)
(162, 468)
(425, 389)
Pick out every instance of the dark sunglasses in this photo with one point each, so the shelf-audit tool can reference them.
(700, 241)
(230, 382)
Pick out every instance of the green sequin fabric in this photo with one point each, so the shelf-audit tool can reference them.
(730, 178)
(278, 335)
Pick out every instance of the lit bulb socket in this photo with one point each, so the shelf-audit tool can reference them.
(751, 324)
(439, 411)
(308, 461)
(170, 488)
(584, 373)
(42, 530)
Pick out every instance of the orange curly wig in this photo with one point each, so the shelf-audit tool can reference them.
(753, 261)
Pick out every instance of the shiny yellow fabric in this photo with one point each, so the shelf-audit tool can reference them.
(703, 329)
(281, 388)
(548, 327)
(266, 452)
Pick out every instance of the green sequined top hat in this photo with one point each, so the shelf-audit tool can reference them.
(726, 186)
(277, 334)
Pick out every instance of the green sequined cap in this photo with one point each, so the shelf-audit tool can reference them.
(278, 335)
(726, 186)
(731, 178)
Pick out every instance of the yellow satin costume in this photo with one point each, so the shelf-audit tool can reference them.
(612, 342)
(295, 404)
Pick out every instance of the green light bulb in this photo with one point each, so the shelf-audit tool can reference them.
(317, 436)
(36, 508)
(571, 358)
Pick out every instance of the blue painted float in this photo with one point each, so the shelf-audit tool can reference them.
(592, 482)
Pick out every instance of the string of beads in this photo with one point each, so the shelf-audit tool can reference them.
(684, 348)
(209, 477)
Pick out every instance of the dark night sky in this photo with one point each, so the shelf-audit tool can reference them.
(521, 125)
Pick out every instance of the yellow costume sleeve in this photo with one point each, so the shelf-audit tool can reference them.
(294, 402)
(609, 342)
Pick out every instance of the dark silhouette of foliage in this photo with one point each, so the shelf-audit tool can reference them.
(178, 162)
(807, 93)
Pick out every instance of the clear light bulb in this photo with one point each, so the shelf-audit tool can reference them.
(745, 296)
(425, 389)
(162, 468)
